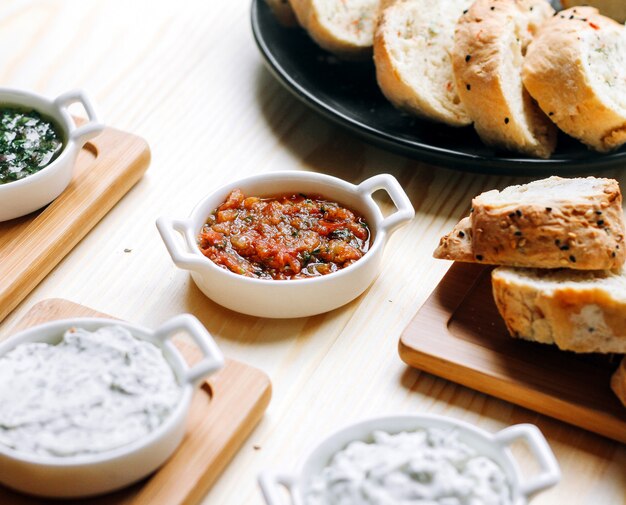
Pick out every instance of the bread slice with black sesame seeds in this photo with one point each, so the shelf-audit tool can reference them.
(583, 312)
(490, 43)
(412, 46)
(551, 223)
(615, 9)
(576, 71)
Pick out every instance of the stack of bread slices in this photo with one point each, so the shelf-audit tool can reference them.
(561, 247)
(515, 69)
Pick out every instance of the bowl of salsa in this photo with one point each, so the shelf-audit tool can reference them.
(39, 143)
(286, 244)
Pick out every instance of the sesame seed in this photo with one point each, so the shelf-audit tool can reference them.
(564, 248)
(468, 87)
(572, 259)
(479, 257)
(518, 213)
(518, 233)
(550, 113)
(506, 120)
(548, 209)
(600, 222)
(461, 234)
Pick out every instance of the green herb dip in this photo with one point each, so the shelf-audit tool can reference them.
(28, 143)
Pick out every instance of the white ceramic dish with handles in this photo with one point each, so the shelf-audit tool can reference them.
(298, 297)
(494, 446)
(93, 474)
(26, 195)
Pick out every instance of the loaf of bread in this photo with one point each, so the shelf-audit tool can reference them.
(578, 311)
(618, 382)
(490, 41)
(551, 223)
(412, 46)
(283, 12)
(576, 71)
(615, 9)
(343, 27)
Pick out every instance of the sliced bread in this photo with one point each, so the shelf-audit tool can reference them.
(618, 382)
(490, 42)
(578, 311)
(551, 223)
(343, 27)
(576, 71)
(412, 46)
(615, 9)
(283, 12)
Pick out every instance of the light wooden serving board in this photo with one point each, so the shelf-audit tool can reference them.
(459, 335)
(31, 246)
(223, 413)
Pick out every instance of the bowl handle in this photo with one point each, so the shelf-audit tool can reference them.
(181, 257)
(269, 482)
(549, 473)
(212, 359)
(89, 130)
(390, 184)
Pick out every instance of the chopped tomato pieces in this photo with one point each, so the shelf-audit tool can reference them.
(287, 237)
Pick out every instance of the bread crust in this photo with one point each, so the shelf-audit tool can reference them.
(555, 75)
(583, 319)
(479, 66)
(283, 12)
(579, 233)
(618, 382)
(393, 84)
(334, 41)
(615, 9)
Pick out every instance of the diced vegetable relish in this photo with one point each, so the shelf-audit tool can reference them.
(286, 237)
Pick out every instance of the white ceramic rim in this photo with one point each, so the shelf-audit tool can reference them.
(548, 476)
(74, 135)
(183, 322)
(379, 230)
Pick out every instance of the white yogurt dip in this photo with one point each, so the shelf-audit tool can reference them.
(92, 392)
(425, 467)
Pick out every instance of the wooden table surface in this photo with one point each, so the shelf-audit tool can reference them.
(187, 77)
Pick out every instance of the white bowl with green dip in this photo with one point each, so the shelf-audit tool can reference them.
(39, 143)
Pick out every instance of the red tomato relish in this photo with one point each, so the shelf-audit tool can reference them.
(285, 237)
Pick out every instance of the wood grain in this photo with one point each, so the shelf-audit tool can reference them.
(459, 335)
(30, 247)
(189, 79)
(223, 413)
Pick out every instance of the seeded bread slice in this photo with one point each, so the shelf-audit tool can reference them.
(490, 42)
(578, 311)
(615, 9)
(618, 382)
(283, 12)
(551, 223)
(343, 27)
(412, 46)
(576, 70)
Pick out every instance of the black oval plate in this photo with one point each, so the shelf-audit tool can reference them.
(347, 93)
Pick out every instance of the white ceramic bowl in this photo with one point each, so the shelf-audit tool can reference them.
(26, 195)
(92, 474)
(289, 298)
(487, 444)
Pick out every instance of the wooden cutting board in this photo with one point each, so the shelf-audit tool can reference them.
(223, 413)
(31, 246)
(459, 335)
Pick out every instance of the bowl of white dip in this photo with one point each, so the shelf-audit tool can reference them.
(416, 459)
(91, 405)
